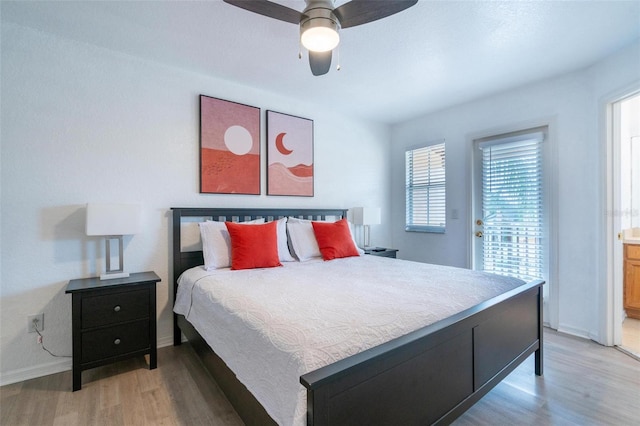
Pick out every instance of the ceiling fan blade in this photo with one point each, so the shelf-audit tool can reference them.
(270, 9)
(320, 62)
(358, 12)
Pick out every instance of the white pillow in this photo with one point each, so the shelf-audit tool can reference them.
(303, 240)
(283, 247)
(216, 243)
(307, 248)
(190, 239)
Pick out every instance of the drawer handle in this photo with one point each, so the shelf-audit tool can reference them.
(116, 308)
(116, 342)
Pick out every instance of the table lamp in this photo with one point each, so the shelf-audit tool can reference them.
(366, 216)
(113, 221)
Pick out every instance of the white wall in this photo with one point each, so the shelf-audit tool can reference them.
(80, 124)
(571, 105)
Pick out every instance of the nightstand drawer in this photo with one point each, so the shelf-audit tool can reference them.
(114, 341)
(114, 308)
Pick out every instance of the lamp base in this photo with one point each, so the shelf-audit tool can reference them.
(113, 273)
(114, 276)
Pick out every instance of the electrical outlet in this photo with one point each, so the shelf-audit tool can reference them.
(39, 318)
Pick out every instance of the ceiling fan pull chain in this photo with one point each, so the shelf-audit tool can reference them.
(338, 61)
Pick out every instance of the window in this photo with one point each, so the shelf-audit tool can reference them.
(425, 189)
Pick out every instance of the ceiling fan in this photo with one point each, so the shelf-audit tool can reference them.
(320, 22)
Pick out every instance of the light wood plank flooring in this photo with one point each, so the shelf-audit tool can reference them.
(584, 384)
(178, 392)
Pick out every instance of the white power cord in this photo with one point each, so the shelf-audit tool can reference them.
(41, 341)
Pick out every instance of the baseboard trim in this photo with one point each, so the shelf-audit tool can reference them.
(165, 341)
(41, 370)
(574, 331)
(57, 366)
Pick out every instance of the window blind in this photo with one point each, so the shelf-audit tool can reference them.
(512, 203)
(425, 189)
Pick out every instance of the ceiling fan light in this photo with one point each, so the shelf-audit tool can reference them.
(320, 39)
(320, 36)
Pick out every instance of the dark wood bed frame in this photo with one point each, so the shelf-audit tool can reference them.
(429, 376)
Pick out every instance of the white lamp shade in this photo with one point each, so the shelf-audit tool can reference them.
(113, 219)
(366, 215)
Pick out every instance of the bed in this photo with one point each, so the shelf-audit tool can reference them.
(429, 375)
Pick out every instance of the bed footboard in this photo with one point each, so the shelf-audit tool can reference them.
(434, 374)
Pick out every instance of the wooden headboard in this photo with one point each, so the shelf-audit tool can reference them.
(183, 260)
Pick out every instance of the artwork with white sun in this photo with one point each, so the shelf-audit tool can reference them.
(289, 155)
(229, 147)
(238, 140)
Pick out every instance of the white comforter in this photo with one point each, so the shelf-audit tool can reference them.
(271, 326)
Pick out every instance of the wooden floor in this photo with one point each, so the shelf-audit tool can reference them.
(584, 384)
(178, 392)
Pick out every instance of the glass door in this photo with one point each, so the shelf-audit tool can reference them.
(510, 226)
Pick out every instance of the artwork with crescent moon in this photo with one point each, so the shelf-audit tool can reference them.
(229, 147)
(289, 155)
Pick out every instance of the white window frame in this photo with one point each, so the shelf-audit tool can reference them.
(429, 178)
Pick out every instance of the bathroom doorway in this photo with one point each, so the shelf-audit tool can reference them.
(626, 141)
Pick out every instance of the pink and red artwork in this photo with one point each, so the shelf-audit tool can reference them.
(229, 147)
(289, 155)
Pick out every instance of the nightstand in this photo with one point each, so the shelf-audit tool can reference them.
(112, 320)
(382, 253)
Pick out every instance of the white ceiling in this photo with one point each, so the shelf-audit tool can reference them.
(433, 55)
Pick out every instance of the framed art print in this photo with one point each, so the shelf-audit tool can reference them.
(289, 155)
(229, 147)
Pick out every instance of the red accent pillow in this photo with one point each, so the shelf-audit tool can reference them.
(253, 246)
(334, 239)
